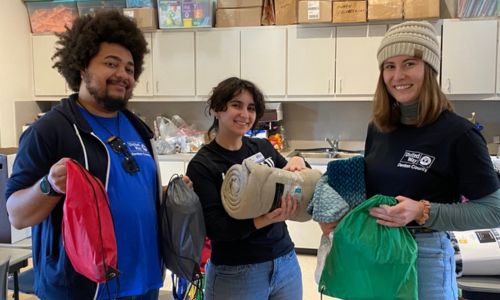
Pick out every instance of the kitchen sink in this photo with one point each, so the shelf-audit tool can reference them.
(321, 153)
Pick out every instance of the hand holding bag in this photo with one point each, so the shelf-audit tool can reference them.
(368, 260)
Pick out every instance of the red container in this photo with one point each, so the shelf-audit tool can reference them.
(51, 16)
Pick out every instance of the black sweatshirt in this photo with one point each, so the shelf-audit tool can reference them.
(235, 242)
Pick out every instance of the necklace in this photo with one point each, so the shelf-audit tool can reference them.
(111, 135)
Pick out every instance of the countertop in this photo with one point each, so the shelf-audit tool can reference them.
(300, 144)
(293, 144)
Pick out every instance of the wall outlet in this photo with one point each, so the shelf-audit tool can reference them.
(496, 139)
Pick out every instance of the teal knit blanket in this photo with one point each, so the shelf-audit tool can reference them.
(347, 178)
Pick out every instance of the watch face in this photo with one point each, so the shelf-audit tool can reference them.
(45, 186)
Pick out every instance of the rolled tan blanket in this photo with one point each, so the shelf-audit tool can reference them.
(250, 190)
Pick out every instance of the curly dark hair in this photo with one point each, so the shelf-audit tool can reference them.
(80, 43)
(226, 90)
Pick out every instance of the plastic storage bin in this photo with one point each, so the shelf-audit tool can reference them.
(92, 6)
(169, 14)
(178, 14)
(141, 3)
(51, 16)
(477, 8)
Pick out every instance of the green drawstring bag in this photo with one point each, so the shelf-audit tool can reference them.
(368, 260)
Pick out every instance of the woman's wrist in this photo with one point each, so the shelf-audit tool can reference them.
(260, 222)
(300, 156)
(425, 207)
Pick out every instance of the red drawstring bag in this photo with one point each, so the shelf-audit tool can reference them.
(88, 232)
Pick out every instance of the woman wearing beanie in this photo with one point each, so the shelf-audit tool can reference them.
(419, 151)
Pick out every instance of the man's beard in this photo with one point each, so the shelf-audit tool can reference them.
(106, 101)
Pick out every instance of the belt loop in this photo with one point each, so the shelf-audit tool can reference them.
(415, 230)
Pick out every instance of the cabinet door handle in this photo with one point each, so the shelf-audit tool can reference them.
(157, 87)
(449, 86)
(147, 87)
(329, 85)
(340, 86)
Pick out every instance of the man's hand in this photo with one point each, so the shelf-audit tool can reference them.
(29, 206)
(57, 176)
(187, 181)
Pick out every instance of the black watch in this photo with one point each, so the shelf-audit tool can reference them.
(47, 188)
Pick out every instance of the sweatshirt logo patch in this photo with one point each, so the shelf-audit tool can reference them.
(137, 148)
(416, 161)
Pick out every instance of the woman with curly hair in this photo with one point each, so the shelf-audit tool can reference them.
(251, 258)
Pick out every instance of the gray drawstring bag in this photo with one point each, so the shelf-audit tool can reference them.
(182, 229)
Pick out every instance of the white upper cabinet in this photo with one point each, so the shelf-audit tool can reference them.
(46, 80)
(217, 58)
(311, 61)
(317, 62)
(173, 59)
(263, 58)
(144, 86)
(468, 56)
(357, 69)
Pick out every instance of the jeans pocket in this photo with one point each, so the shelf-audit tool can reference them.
(431, 247)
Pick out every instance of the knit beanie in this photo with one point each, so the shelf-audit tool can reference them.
(409, 38)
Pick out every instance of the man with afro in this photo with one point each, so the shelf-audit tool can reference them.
(101, 57)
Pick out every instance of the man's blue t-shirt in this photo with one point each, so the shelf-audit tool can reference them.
(132, 200)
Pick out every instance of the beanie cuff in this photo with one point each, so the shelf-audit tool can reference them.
(409, 49)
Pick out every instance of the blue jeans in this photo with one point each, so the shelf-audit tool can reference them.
(436, 267)
(278, 279)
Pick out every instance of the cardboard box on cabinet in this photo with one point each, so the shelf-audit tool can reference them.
(349, 11)
(420, 9)
(232, 17)
(385, 10)
(286, 11)
(315, 11)
(145, 17)
(238, 3)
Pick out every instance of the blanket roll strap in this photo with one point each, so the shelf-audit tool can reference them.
(249, 189)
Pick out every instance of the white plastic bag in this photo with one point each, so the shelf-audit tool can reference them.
(325, 245)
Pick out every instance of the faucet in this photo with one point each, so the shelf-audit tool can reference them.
(334, 144)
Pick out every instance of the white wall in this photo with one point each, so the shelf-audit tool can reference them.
(15, 66)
